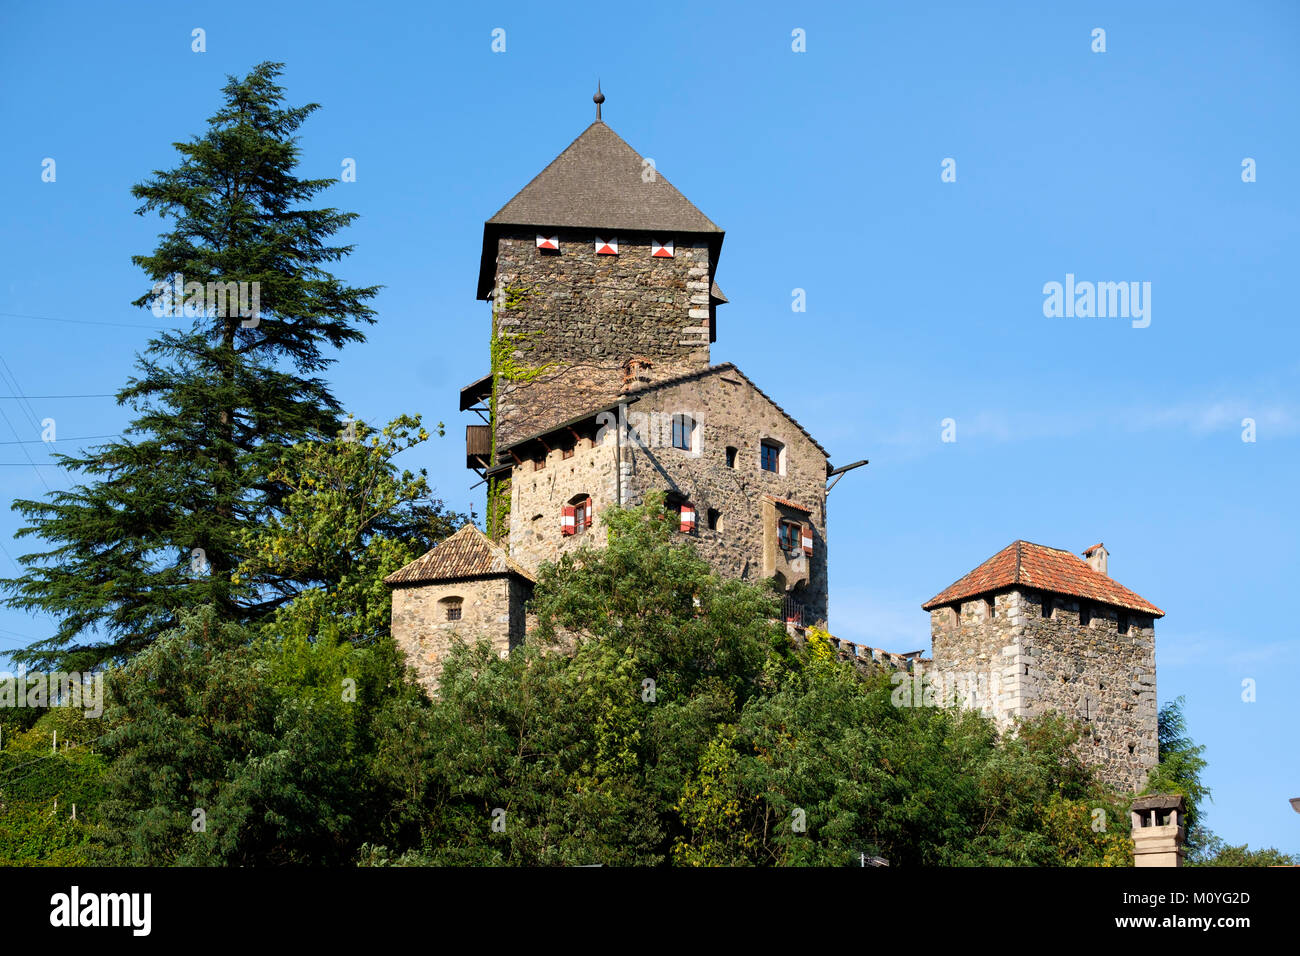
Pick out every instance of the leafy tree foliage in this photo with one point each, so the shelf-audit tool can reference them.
(661, 715)
(41, 786)
(229, 750)
(1179, 771)
(348, 518)
(214, 403)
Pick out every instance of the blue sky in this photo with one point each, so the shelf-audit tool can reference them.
(924, 298)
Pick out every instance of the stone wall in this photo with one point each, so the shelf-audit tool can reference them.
(491, 609)
(1019, 663)
(728, 413)
(591, 314)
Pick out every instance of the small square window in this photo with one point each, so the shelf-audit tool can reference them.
(770, 458)
(568, 452)
(715, 519)
(539, 463)
(789, 534)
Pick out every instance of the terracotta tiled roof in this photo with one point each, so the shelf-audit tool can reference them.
(599, 182)
(1046, 569)
(789, 504)
(468, 553)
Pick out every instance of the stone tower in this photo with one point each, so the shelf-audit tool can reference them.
(600, 391)
(598, 271)
(1034, 629)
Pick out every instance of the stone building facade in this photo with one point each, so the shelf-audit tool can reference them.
(1035, 629)
(749, 521)
(465, 589)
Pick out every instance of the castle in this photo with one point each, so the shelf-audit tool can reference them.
(601, 278)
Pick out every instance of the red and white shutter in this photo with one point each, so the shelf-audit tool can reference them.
(548, 242)
(587, 524)
(606, 247)
(566, 520)
(807, 539)
(688, 518)
(661, 250)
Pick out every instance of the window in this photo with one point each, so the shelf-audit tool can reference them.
(576, 516)
(539, 463)
(683, 426)
(770, 458)
(568, 452)
(1085, 614)
(731, 457)
(988, 608)
(451, 607)
(1046, 607)
(790, 535)
(1123, 623)
(715, 519)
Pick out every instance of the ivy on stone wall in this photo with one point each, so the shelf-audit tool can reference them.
(507, 367)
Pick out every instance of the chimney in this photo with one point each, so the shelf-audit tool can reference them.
(1096, 557)
(636, 374)
(1158, 831)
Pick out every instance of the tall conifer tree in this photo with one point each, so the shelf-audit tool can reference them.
(152, 526)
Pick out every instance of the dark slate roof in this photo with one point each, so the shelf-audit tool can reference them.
(468, 553)
(597, 183)
(1046, 569)
(653, 386)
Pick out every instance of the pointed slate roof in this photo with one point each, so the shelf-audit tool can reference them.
(468, 553)
(597, 183)
(1047, 569)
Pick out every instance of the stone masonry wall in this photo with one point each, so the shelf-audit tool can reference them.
(591, 314)
(1021, 664)
(728, 412)
(424, 634)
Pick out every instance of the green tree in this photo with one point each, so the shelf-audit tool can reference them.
(230, 750)
(660, 715)
(348, 519)
(154, 526)
(1213, 851)
(1179, 771)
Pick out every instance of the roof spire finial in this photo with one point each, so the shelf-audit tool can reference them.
(598, 99)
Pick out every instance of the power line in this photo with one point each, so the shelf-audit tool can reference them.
(42, 441)
(51, 318)
(92, 395)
